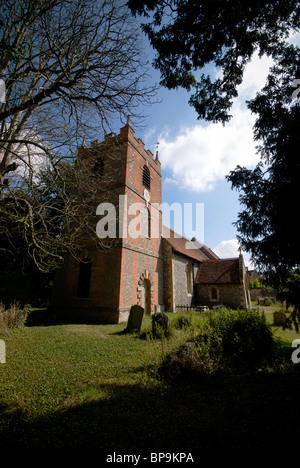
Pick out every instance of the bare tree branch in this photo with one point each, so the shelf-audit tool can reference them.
(71, 69)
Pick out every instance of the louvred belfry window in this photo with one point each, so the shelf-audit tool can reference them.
(146, 177)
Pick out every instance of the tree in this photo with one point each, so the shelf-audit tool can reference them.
(70, 69)
(188, 35)
(269, 194)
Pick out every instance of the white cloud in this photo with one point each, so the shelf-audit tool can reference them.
(169, 180)
(227, 249)
(230, 249)
(254, 76)
(201, 155)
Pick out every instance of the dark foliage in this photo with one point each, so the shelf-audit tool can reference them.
(231, 341)
(190, 34)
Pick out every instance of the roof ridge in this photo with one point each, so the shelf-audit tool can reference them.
(218, 259)
(180, 235)
(188, 240)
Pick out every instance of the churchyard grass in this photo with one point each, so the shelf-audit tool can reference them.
(77, 386)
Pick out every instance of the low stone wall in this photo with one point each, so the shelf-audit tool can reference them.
(255, 293)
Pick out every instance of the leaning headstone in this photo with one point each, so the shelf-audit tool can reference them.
(279, 318)
(135, 319)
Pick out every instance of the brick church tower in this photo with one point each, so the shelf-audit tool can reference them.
(104, 285)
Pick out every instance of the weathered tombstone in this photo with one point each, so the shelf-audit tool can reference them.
(135, 319)
(279, 318)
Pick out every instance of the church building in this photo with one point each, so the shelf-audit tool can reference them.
(155, 269)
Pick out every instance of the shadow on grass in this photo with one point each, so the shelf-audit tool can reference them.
(238, 411)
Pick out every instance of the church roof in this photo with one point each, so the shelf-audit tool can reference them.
(221, 271)
(193, 249)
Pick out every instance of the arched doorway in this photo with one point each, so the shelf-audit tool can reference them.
(145, 296)
(145, 292)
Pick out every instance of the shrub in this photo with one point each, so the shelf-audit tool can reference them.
(190, 360)
(160, 323)
(12, 317)
(248, 340)
(245, 336)
(229, 340)
(183, 322)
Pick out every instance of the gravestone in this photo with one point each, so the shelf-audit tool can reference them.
(279, 318)
(135, 319)
(2, 352)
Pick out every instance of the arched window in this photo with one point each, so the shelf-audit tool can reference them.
(84, 278)
(146, 177)
(214, 293)
(189, 278)
(145, 222)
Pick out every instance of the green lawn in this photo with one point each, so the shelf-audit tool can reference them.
(288, 335)
(66, 386)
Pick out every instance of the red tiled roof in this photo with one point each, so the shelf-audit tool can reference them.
(225, 271)
(181, 244)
